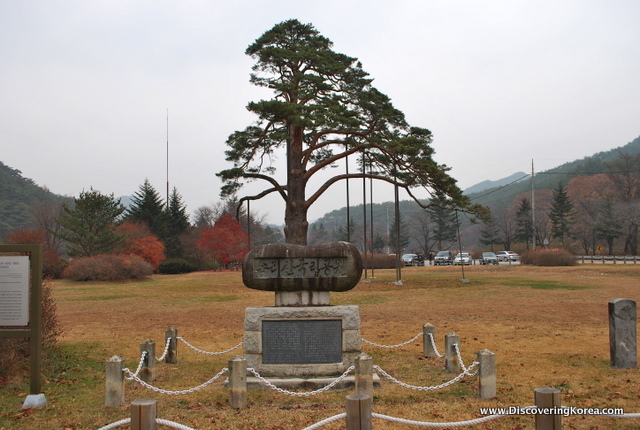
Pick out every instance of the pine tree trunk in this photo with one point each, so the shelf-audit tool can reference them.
(295, 218)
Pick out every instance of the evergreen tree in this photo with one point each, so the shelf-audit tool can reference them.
(561, 214)
(398, 243)
(88, 228)
(524, 222)
(177, 223)
(444, 221)
(148, 207)
(343, 234)
(323, 110)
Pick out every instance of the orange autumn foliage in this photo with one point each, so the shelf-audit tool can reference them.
(141, 242)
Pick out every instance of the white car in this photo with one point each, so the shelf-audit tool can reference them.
(507, 256)
(462, 258)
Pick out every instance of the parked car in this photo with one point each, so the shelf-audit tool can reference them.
(507, 256)
(462, 258)
(443, 258)
(488, 258)
(410, 259)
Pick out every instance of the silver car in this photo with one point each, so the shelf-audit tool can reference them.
(507, 256)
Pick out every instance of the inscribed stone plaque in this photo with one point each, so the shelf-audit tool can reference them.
(302, 342)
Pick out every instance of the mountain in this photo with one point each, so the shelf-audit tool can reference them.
(487, 185)
(17, 196)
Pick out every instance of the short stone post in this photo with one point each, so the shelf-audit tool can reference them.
(451, 362)
(428, 340)
(143, 414)
(238, 382)
(114, 382)
(171, 334)
(148, 371)
(622, 333)
(364, 375)
(486, 374)
(358, 408)
(549, 399)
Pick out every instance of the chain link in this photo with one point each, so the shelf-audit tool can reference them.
(464, 369)
(175, 393)
(206, 352)
(301, 394)
(166, 349)
(433, 345)
(393, 346)
(430, 388)
(135, 374)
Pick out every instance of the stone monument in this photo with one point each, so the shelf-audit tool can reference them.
(303, 341)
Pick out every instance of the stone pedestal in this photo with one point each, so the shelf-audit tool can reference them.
(301, 342)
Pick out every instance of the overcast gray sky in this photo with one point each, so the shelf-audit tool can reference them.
(85, 85)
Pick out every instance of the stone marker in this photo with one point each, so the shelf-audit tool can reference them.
(302, 339)
(622, 333)
(302, 275)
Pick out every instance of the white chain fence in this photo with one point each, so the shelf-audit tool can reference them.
(206, 352)
(433, 345)
(135, 374)
(175, 393)
(166, 349)
(393, 346)
(302, 393)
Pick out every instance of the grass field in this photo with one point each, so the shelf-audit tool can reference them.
(547, 326)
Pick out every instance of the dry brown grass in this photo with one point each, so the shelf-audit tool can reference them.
(548, 327)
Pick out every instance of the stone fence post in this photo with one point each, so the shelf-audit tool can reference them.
(171, 336)
(486, 374)
(451, 362)
(148, 371)
(238, 382)
(114, 382)
(428, 333)
(622, 333)
(364, 375)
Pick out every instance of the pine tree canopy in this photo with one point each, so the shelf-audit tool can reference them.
(323, 110)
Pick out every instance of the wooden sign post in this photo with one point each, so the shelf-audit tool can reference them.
(21, 307)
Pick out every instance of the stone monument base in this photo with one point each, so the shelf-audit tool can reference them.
(306, 343)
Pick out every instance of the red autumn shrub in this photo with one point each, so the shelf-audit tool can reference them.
(225, 241)
(107, 267)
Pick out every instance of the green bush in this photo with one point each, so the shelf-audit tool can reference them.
(175, 266)
(107, 267)
(549, 257)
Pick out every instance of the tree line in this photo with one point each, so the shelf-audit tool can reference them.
(157, 231)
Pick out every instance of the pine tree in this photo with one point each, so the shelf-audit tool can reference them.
(444, 220)
(177, 221)
(148, 207)
(89, 227)
(524, 222)
(561, 214)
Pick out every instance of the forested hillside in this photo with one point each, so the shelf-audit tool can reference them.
(419, 227)
(17, 196)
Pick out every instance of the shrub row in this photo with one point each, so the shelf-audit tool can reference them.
(107, 267)
(548, 257)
